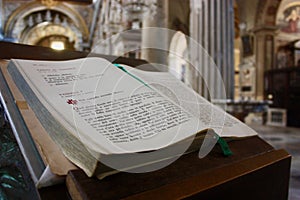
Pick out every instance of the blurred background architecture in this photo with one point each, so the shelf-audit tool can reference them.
(253, 44)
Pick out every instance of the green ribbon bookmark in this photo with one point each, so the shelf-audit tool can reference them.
(224, 146)
(127, 72)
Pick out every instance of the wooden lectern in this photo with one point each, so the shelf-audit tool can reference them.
(255, 170)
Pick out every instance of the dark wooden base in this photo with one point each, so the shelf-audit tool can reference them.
(255, 171)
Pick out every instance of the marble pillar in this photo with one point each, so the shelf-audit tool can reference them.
(264, 59)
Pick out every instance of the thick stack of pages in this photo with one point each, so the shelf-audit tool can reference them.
(127, 119)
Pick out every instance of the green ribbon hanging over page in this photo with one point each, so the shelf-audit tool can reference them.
(224, 146)
(127, 72)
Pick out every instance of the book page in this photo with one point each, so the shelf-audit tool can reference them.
(210, 115)
(104, 107)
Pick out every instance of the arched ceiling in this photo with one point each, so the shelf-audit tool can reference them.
(258, 13)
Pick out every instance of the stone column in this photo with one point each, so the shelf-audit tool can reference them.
(1, 17)
(212, 27)
(156, 39)
(264, 38)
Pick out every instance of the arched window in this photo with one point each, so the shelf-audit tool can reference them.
(178, 65)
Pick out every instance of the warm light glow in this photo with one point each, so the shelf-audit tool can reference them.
(58, 45)
(270, 96)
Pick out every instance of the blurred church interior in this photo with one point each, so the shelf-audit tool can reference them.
(252, 44)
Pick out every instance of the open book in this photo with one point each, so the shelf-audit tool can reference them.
(123, 117)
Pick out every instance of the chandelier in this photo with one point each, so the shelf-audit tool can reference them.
(138, 9)
(117, 14)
